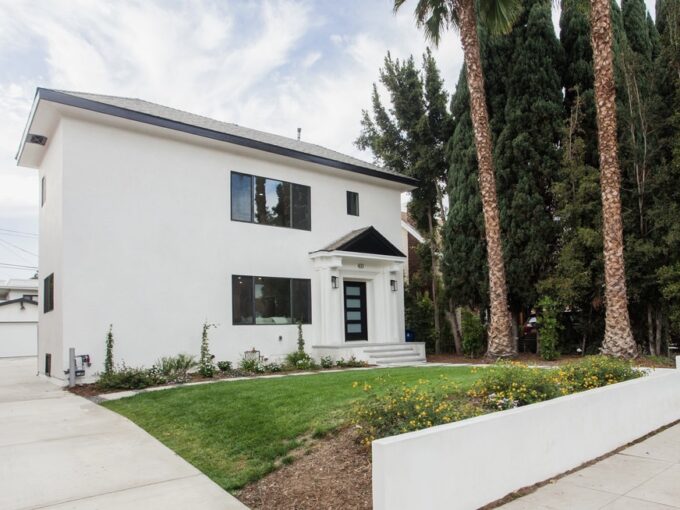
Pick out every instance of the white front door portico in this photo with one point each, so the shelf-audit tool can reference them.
(359, 280)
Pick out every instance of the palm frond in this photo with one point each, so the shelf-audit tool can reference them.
(433, 16)
(498, 16)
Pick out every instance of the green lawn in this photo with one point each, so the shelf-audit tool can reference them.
(236, 432)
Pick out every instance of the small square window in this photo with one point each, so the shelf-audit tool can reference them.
(43, 191)
(353, 203)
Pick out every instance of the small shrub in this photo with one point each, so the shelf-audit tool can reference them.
(326, 362)
(593, 372)
(352, 362)
(272, 367)
(108, 357)
(549, 328)
(300, 360)
(506, 385)
(176, 368)
(406, 408)
(206, 365)
(473, 332)
(129, 378)
(251, 366)
(224, 366)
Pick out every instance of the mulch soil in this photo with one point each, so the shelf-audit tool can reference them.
(333, 473)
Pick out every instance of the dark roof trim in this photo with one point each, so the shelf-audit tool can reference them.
(145, 118)
(18, 300)
(365, 240)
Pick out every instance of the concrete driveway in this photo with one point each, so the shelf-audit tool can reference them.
(60, 451)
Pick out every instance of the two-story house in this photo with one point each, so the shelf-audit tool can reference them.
(156, 221)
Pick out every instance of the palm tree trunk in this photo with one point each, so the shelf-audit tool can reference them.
(500, 339)
(618, 337)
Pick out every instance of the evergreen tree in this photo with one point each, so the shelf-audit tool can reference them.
(410, 137)
(527, 154)
(577, 279)
(525, 106)
(577, 72)
(464, 260)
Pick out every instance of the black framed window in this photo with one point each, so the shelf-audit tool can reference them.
(48, 292)
(43, 191)
(352, 203)
(256, 199)
(270, 300)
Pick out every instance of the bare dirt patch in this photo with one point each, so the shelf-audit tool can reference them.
(332, 474)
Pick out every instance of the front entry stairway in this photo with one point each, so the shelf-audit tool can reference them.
(394, 354)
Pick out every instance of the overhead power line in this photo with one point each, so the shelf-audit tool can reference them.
(17, 266)
(19, 233)
(4, 241)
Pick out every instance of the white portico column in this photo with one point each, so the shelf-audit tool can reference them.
(329, 313)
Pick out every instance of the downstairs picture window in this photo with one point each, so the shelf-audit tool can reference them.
(269, 300)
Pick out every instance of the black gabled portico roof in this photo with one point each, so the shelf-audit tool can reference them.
(364, 240)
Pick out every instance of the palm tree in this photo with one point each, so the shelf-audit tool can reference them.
(498, 15)
(618, 337)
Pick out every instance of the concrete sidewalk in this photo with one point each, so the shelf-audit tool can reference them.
(60, 451)
(645, 476)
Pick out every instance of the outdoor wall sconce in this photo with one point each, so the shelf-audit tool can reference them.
(393, 285)
(334, 282)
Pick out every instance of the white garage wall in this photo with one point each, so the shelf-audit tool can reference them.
(18, 330)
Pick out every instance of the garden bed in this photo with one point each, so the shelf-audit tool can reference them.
(535, 359)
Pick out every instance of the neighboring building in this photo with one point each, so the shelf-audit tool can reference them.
(157, 220)
(410, 239)
(18, 318)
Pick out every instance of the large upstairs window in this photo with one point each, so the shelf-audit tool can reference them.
(270, 202)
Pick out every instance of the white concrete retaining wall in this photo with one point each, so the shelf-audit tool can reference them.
(468, 464)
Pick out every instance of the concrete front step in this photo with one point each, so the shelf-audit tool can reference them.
(393, 354)
(389, 348)
(399, 361)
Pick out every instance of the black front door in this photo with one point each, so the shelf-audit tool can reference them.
(355, 311)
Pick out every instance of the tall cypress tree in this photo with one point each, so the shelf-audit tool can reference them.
(527, 152)
(577, 72)
(464, 245)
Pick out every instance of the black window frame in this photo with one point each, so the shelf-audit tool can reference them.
(291, 207)
(48, 292)
(352, 203)
(253, 279)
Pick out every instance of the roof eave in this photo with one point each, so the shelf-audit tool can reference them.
(146, 118)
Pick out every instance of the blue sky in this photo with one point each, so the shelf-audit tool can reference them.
(273, 65)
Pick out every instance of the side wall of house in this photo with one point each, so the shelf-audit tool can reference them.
(50, 328)
(149, 245)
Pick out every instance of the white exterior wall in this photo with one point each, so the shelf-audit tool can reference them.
(18, 330)
(149, 246)
(468, 464)
(50, 326)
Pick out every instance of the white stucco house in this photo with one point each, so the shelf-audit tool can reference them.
(18, 318)
(156, 220)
